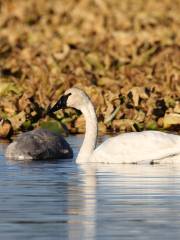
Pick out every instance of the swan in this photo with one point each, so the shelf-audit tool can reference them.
(39, 144)
(134, 147)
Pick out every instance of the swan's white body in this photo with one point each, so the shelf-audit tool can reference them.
(136, 147)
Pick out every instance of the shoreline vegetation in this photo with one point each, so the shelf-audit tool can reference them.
(124, 54)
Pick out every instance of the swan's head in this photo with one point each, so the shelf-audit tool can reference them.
(73, 97)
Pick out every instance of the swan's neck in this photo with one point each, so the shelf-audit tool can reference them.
(89, 142)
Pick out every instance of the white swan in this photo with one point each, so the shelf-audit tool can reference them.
(135, 147)
(39, 144)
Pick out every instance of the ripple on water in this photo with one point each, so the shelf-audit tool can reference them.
(62, 200)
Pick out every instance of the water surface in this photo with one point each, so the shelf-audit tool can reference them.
(63, 200)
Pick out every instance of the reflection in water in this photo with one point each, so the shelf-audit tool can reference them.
(93, 201)
(129, 196)
(87, 207)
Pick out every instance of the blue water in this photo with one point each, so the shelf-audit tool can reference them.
(63, 200)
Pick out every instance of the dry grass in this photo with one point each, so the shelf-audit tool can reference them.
(124, 54)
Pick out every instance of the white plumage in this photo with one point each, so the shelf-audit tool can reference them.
(137, 147)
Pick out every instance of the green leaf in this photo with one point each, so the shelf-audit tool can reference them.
(53, 126)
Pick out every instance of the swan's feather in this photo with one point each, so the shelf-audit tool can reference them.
(137, 147)
(39, 144)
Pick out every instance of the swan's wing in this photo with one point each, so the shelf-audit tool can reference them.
(135, 147)
(43, 144)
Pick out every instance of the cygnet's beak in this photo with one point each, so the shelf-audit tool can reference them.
(61, 103)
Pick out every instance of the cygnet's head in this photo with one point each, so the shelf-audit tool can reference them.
(73, 97)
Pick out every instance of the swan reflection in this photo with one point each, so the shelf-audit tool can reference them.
(122, 195)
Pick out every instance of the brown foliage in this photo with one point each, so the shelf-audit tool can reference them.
(124, 54)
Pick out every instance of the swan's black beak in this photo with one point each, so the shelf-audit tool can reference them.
(61, 103)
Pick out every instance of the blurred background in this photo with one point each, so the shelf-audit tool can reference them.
(124, 54)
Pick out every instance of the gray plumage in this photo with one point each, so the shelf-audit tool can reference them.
(39, 144)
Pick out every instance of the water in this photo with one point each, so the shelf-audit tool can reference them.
(63, 200)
